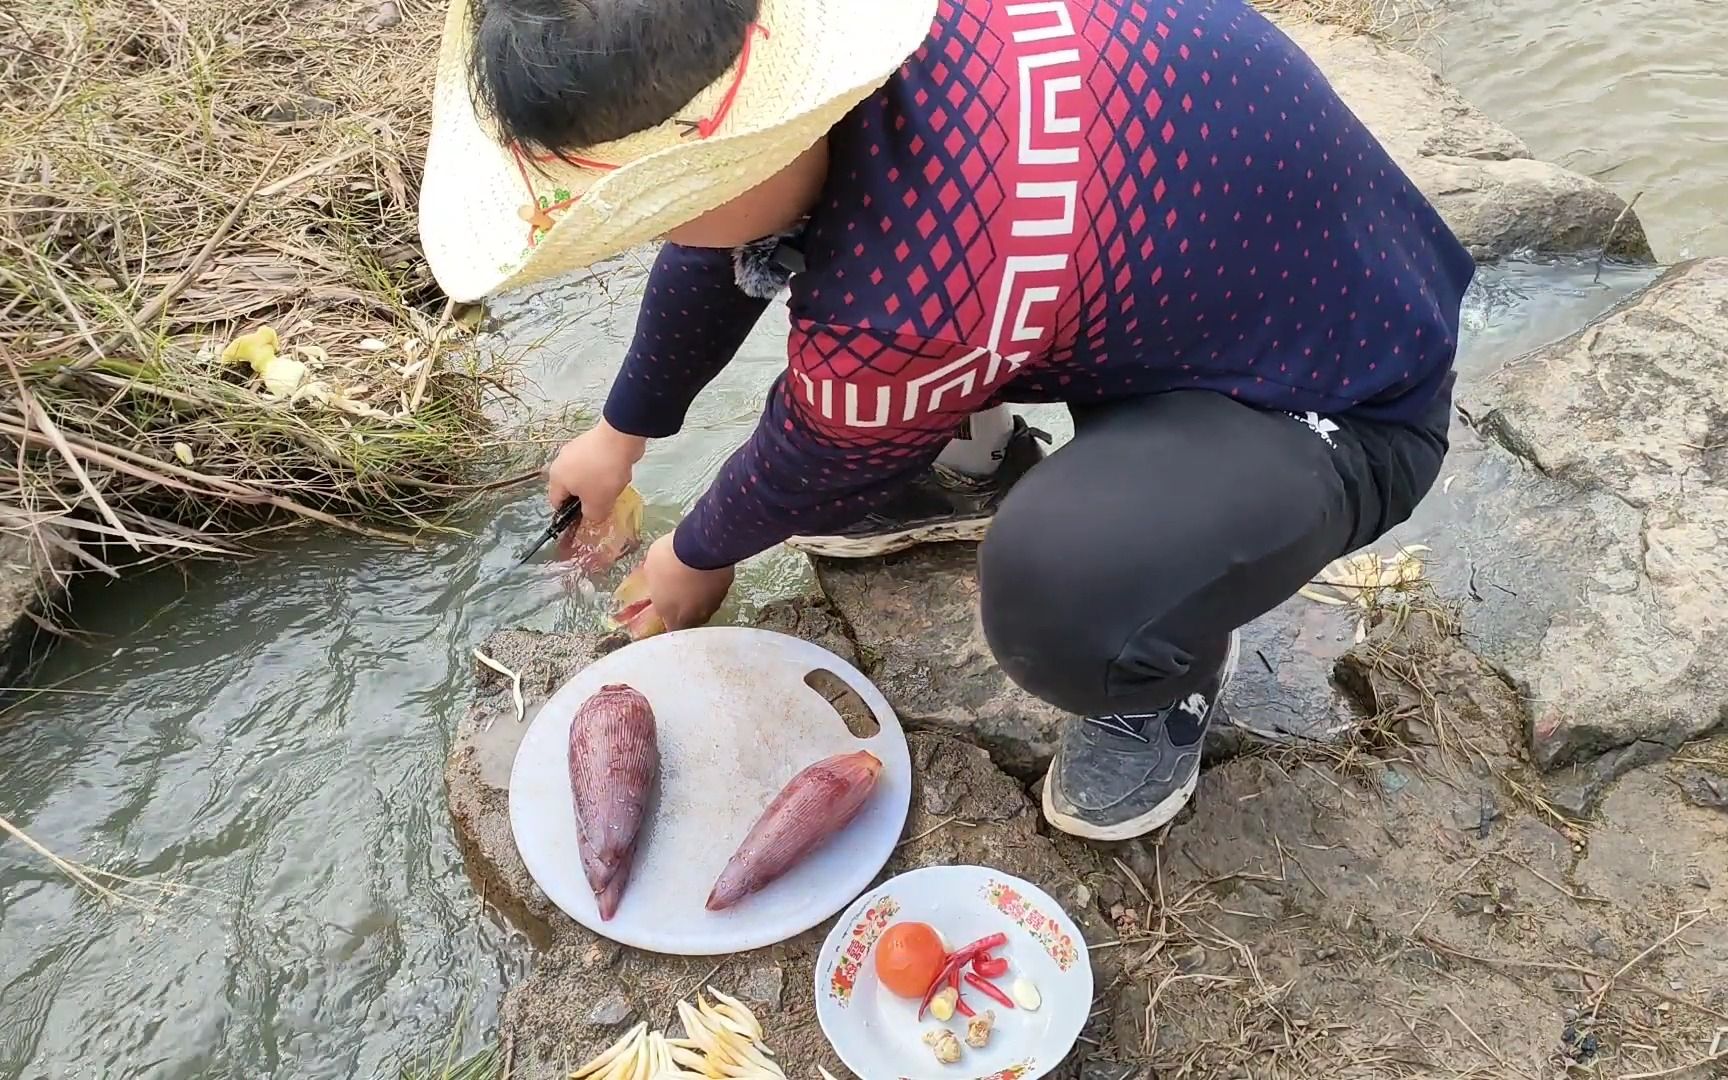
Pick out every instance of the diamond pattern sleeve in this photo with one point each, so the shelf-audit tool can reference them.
(693, 320)
(856, 415)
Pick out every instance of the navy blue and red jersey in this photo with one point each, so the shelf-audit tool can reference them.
(1059, 201)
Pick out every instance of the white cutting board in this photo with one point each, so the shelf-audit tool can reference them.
(736, 721)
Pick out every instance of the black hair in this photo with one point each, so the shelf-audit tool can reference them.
(561, 75)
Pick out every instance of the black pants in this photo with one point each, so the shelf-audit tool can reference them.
(1115, 570)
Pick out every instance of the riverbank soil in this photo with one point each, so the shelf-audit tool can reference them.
(29, 591)
(1512, 862)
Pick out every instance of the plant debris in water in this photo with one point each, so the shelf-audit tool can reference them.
(1363, 579)
(213, 309)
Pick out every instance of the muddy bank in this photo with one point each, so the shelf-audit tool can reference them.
(30, 592)
(1409, 905)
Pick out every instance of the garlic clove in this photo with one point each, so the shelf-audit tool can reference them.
(1026, 995)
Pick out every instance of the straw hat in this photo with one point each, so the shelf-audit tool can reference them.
(493, 218)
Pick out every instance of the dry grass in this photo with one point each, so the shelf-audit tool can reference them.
(1401, 21)
(175, 173)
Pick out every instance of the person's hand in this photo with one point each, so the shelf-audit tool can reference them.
(682, 596)
(595, 467)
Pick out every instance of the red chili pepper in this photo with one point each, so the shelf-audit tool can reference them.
(963, 1009)
(989, 991)
(982, 945)
(957, 960)
(930, 994)
(991, 967)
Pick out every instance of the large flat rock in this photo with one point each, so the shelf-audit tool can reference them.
(1481, 177)
(583, 991)
(1625, 609)
(914, 618)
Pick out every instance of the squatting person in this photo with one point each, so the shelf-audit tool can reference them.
(1157, 212)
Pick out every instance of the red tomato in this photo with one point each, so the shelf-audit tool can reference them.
(908, 958)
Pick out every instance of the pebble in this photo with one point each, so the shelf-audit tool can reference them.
(1111, 1070)
(1477, 814)
(291, 109)
(384, 16)
(1191, 959)
(1601, 945)
(762, 988)
(1419, 733)
(611, 1010)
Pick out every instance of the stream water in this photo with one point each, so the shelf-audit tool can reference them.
(1632, 92)
(272, 734)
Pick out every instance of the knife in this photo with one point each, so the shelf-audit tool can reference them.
(570, 513)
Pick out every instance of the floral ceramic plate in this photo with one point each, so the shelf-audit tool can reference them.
(878, 1034)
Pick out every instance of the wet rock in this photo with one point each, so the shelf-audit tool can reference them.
(1627, 423)
(1481, 177)
(1283, 690)
(30, 590)
(914, 618)
(815, 620)
(964, 810)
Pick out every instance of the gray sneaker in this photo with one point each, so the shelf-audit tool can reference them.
(1118, 777)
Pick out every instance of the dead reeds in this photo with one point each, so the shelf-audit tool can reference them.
(1400, 21)
(175, 174)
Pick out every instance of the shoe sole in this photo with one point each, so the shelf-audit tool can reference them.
(866, 547)
(1133, 828)
(1159, 815)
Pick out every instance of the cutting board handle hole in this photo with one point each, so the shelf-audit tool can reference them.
(856, 715)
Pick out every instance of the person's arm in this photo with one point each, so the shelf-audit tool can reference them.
(857, 415)
(694, 317)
